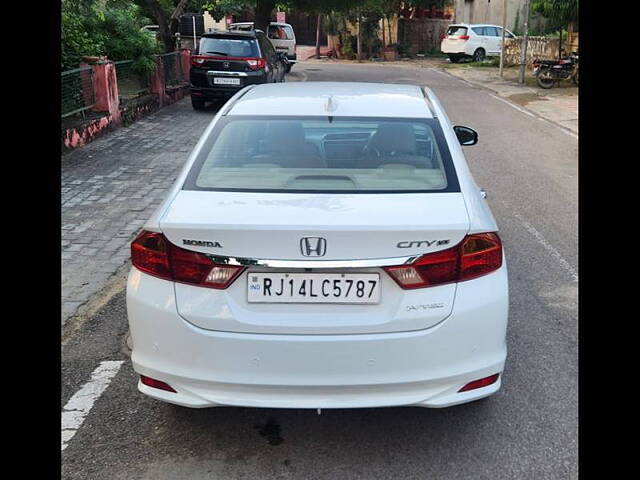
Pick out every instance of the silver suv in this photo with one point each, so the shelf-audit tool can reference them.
(280, 35)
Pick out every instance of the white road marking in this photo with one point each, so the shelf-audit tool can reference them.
(78, 406)
(562, 129)
(512, 105)
(543, 241)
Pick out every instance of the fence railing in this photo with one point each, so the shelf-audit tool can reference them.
(77, 92)
(131, 84)
(172, 64)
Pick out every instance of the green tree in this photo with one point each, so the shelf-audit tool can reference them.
(561, 12)
(105, 27)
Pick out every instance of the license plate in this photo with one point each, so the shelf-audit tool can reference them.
(356, 288)
(226, 81)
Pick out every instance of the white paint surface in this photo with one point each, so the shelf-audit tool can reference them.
(78, 406)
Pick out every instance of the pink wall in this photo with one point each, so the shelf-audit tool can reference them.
(107, 101)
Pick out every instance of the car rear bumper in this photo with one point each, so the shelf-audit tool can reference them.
(420, 368)
(203, 86)
(453, 51)
(451, 48)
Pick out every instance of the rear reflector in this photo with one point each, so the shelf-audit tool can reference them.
(463, 37)
(152, 253)
(483, 382)
(152, 382)
(477, 255)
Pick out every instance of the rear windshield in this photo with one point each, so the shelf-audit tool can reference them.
(229, 47)
(321, 154)
(242, 28)
(457, 31)
(278, 32)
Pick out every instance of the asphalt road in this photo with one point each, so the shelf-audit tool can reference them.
(527, 430)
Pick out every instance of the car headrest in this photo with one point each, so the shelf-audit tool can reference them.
(394, 137)
(284, 136)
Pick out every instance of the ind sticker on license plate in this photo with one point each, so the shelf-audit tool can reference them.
(357, 288)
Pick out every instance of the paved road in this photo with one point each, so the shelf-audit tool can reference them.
(527, 430)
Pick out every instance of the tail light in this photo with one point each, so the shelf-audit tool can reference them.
(152, 253)
(483, 382)
(152, 382)
(198, 60)
(463, 37)
(477, 255)
(256, 63)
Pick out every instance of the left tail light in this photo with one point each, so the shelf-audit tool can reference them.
(477, 255)
(198, 60)
(152, 253)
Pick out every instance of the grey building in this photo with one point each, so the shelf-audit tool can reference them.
(490, 11)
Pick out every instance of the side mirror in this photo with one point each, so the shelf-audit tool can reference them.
(466, 135)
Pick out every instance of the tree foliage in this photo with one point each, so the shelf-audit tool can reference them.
(110, 28)
(560, 12)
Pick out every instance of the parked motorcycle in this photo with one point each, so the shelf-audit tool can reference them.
(550, 72)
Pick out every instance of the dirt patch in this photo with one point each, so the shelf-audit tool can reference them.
(523, 98)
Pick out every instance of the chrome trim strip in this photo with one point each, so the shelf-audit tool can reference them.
(227, 74)
(425, 93)
(373, 262)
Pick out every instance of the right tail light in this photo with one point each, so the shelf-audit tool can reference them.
(477, 255)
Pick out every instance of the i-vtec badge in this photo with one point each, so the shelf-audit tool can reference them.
(201, 243)
(420, 243)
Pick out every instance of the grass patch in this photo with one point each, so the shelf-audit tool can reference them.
(490, 62)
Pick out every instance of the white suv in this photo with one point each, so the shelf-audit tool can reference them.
(280, 35)
(477, 41)
(325, 246)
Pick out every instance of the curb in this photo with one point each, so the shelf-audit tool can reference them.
(535, 114)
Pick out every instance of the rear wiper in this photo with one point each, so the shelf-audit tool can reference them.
(220, 53)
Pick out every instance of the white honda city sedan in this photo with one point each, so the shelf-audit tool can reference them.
(325, 246)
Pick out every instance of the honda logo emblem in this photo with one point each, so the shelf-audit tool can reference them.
(313, 246)
(226, 64)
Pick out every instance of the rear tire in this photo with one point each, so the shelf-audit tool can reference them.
(479, 55)
(197, 103)
(454, 58)
(545, 79)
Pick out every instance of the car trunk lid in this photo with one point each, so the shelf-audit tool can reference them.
(272, 226)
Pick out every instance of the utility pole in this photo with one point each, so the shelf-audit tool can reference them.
(358, 46)
(318, 36)
(504, 26)
(523, 47)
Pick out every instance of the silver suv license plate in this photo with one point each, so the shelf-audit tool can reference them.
(356, 288)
